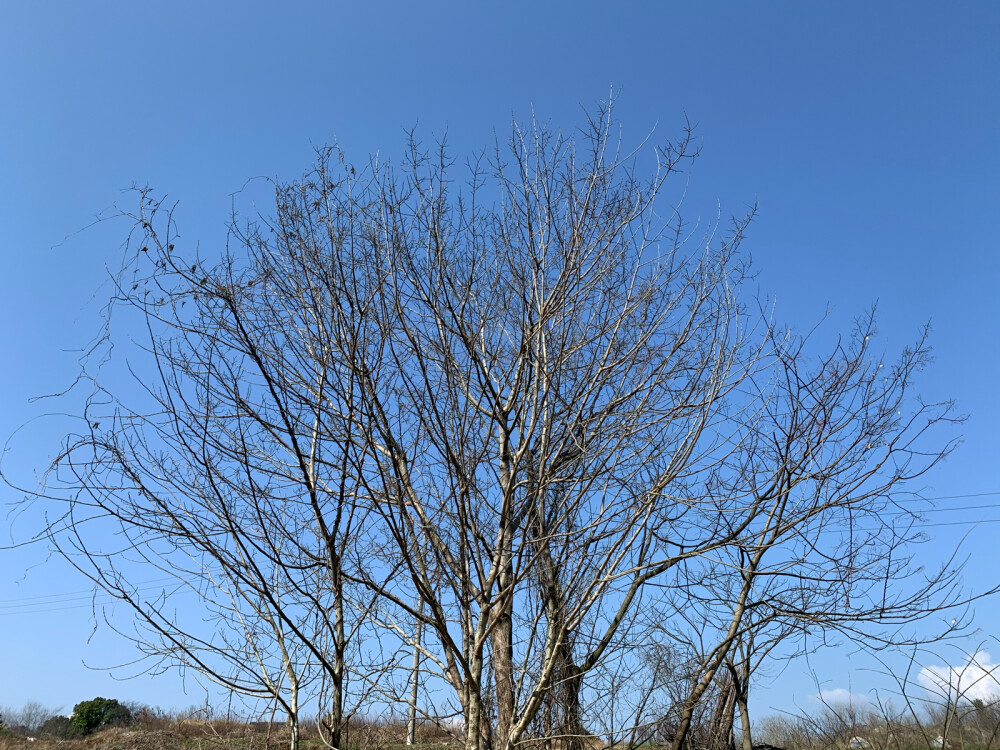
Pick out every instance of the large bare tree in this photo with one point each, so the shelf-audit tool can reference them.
(519, 404)
(549, 383)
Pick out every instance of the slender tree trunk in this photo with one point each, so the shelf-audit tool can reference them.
(741, 704)
(293, 711)
(502, 639)
(571, 682)
(474, 739)
(694, 697)
(337, 678)
(293, 690)
(411, 719)
(293, 726)
(740, 676)
(567, 679)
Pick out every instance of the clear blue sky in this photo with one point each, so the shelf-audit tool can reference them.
(868, 132)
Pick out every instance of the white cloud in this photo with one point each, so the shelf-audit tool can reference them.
(840, 697)
(976, 679)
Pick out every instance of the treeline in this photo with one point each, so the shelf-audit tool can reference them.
(919, 725)
(88, 717)
(34, 722)
(973, 725)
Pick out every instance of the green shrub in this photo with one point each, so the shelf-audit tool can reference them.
(94, 715)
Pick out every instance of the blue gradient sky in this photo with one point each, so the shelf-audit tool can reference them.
(869, 133)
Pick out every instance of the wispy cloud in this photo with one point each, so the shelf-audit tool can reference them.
(840, 697)
(977, 679)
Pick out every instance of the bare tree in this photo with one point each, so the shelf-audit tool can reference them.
(549, 381)
(836, 440)
(528, 413)
(27, 719)
(226, 468)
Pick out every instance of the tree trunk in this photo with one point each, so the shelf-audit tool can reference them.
(293, 728)
(741, 703)
(694, 697)
(411, 719)
(474, 718)
(572, 682)
(503, 661)
(721, 729)
(740, 676)
(337, 678)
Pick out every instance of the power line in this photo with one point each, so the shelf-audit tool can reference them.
(100, 600)
(959, 523)
(69, 595)
(64, 601)
(921, 499)
(961, 508)
(54, 609)
(44, 603)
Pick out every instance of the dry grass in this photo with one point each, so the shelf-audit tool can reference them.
(159, 732)
(109, 739)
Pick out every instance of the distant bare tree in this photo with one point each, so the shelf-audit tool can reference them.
(950, 705)
(926, 706)
(26, 720)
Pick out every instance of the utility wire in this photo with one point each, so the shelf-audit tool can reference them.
(101, 600)
(69, 595)
(62, 601)
(920, 499)
(58, 602)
